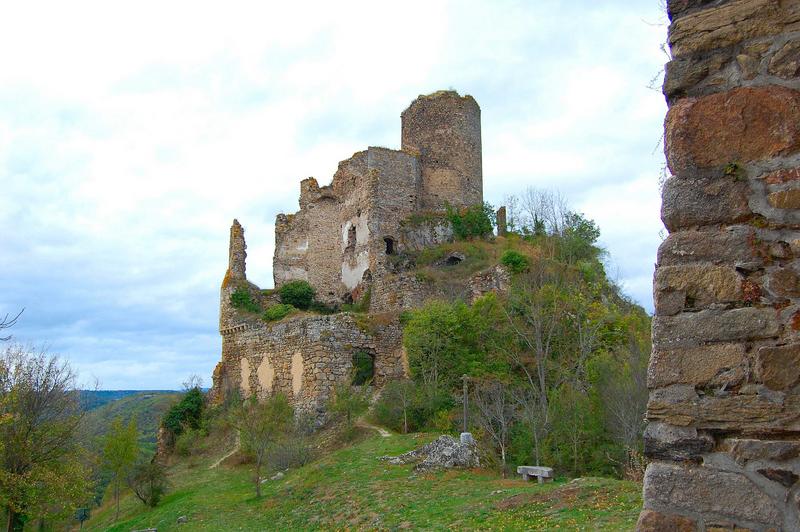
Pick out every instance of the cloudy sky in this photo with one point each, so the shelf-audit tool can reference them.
(131, 134)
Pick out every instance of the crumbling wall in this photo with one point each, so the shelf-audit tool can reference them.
(724, 412)
(304, 357)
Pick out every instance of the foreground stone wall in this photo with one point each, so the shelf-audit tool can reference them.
(724, 411)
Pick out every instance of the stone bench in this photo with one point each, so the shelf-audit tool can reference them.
(542, 474)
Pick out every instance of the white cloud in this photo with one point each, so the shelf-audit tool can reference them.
(131, 135)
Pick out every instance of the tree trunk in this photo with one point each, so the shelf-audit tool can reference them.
(15, 522)
(258, 478)
(116, 496)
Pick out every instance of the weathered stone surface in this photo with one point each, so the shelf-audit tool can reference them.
(782, 176)
(679, 444)
(688, 76)
(786, 61)
(652, 521)
(702, 284)
(784, 282)
(696, 365)
(785, 199)
(691, 328)
(781, 476)
(695, 489)
(778, 367)
(728, 245)
(731, 23)
(688, 203)
(741, 125)
(745, 450)
(764, 411)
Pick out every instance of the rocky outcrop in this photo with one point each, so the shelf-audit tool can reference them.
(445, 452)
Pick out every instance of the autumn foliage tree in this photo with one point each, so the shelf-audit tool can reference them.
(42, 473)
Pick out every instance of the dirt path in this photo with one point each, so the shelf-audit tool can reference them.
(235, 448)
(383, 432)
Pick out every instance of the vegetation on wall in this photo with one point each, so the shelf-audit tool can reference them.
(471, 222)
(241, 299)
(299, 294)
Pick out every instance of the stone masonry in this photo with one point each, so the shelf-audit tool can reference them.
(723, 428)
(346, 241)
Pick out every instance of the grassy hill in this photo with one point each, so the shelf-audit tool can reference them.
(146, 407)
(351, 489)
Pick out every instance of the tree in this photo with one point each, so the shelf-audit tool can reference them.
(260, 426)
(7, 323)
(120, 451)
(494, 414)
(395, 403)
(41, 471)
(298, 293)
(348, 402)
(148, 481)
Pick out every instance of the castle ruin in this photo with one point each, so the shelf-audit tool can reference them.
(380, 204)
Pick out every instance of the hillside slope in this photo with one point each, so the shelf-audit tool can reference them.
(146, 407)
(351, 488)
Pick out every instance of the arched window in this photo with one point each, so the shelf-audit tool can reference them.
(389, 245)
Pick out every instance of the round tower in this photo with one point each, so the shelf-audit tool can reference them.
(444, 130)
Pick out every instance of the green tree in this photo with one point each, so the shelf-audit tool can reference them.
(42, 471)
(261, 425)
(120, 451)
(185, 413)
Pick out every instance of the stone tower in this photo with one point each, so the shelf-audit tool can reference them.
(444, 130)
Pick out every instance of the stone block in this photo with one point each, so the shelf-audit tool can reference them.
(778, 367)
(679, 444)
(729, 245)
(688, 203)
(784, 282)
(692, 328)
(652, 521)
(762, 410)
(696, 365)
(694, 489)
(786, 61)
(744, 450)
(737, 126)
(731, 23)
(704, 284)
(689, 76)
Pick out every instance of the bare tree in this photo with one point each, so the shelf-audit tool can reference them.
(8, 322)
(260, 426)
(546, 209)
(494, 413)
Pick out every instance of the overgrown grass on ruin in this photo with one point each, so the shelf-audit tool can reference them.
(350, 488)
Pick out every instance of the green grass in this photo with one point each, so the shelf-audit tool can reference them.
(352, 489)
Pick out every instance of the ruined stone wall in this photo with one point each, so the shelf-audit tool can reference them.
(304, 357)
(724, 412)
(444, 129)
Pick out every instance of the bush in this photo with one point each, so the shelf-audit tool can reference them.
(148, 481)
(474, 221)
(186, 413)
(277, 312)
(186, 443)
(347, 403)
(299, 294)
(516, 261)
(242, 300)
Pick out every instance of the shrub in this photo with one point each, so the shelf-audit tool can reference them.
(516, 261)
(277, 312)
(394, 407)
(186, 413)
(149, 482)
(347, 403)
(474, 221)
(242, 300)
(186, 443)
(299, 294)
